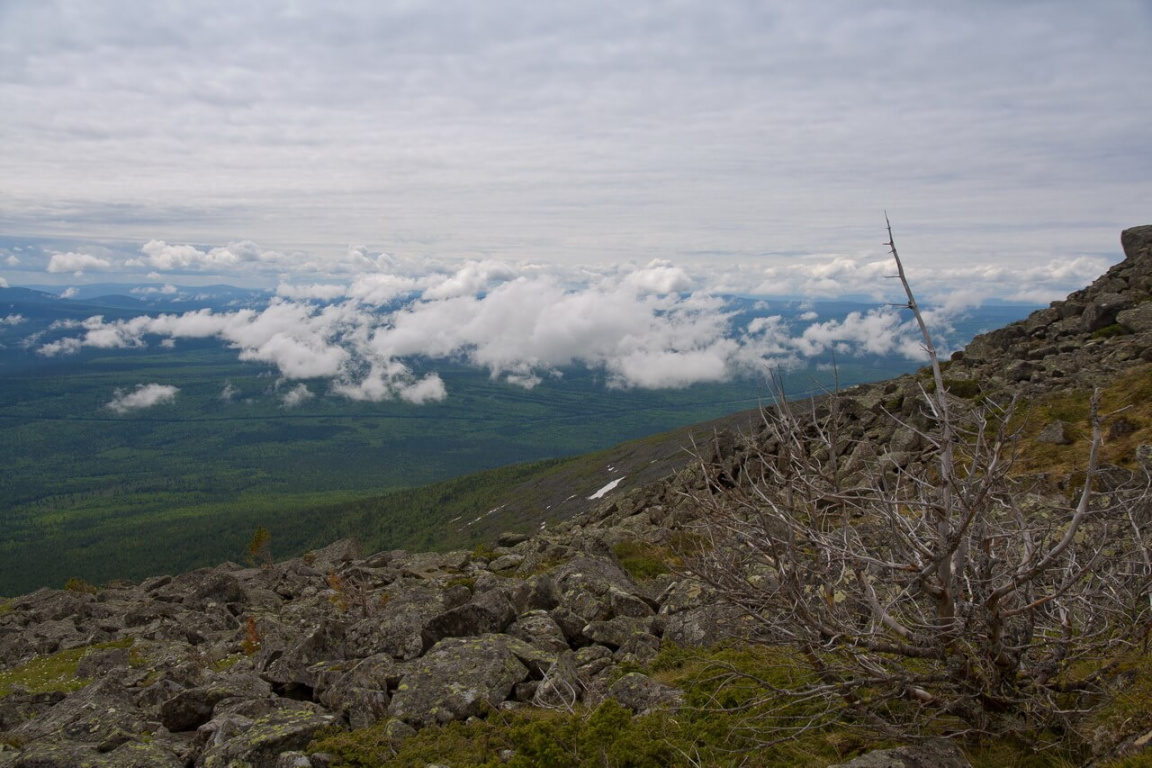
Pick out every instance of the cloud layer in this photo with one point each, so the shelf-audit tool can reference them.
(577, 133)
(635, 328)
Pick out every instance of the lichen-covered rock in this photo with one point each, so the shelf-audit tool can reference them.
(69, 754)
(191, 708)
(360, 695)
(89, 715)
(457, 679)
(931, 754)
(234, 740)
(539, 629)
(642, 694)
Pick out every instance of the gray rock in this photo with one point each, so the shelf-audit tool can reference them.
(642, 694)
(539, 629)
(190, 709)
(1056, 433)
(65, 754)
(360, 695)
(1103, 311)
(617, 631)
(459, 678)
(931, 754)
(1138, 319)
(259, 742)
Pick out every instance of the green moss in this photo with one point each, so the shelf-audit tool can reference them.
(463, 581)
(5, 606)
(53, 673)
(644, 561)
(965, 388)
(79, 585)
(1109, 331)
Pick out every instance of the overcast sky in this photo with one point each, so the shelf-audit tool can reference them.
(753, 144)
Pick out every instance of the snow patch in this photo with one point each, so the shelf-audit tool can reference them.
(600, 493)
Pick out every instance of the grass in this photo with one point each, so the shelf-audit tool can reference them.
(53, 673)
(1129, 397)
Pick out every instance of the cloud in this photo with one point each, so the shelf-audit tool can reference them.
(12, 320)
(144, 396)
(228, 394)
(296, 396)
(77, 263)
(12, 260)
(68, 293)
(3, 283)
(629, 325)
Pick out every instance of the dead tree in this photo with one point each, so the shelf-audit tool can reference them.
(944, 595)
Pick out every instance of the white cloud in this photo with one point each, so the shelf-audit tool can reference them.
(68, 293)
(3, 283)
(296, 396)
(12, 319)
(144, 396)
(228, 394)
(633, 326)
(12, 260)
(77, 262)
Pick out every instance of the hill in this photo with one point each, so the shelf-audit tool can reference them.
(613, 637)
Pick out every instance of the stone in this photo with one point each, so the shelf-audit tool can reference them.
(457, 679)
(937, 753)
(1056, 433)
(1103, 311)
(642, 694)
(1138, 319)
(260, 742)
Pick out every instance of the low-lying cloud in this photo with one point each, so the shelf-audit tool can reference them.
(144, 396)
(381, 336)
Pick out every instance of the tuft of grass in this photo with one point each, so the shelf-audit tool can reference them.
(53, 673)
(643, 560)
(1109, 331)
(1131, 392)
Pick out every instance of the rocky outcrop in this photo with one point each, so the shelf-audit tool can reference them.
(1079, 342)
(238, 665)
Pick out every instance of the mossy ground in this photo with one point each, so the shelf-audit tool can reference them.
(53, 673)
(727, 720)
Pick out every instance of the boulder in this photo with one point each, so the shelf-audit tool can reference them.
(642, 694)
(459, 678)
(236, 740)
(937, 753)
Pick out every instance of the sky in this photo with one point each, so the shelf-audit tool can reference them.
(625, 155)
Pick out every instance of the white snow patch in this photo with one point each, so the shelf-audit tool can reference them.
(600, 493)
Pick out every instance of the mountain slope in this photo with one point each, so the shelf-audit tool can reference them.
(577, 646)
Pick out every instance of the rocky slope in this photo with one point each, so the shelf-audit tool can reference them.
(242, 665)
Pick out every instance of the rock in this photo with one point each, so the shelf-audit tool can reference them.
(539, 629)
(99, 663)
(335, 554)
(360, 695)
(1103, 311)
(642, 694)
(931, 754)
(259, 742)
(190, 709)
(510, 539)
(617, 631)
(488, 613)
(1056, 433)
(1138, 319)
(64, 754)
(459, 678)
(90, 715)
